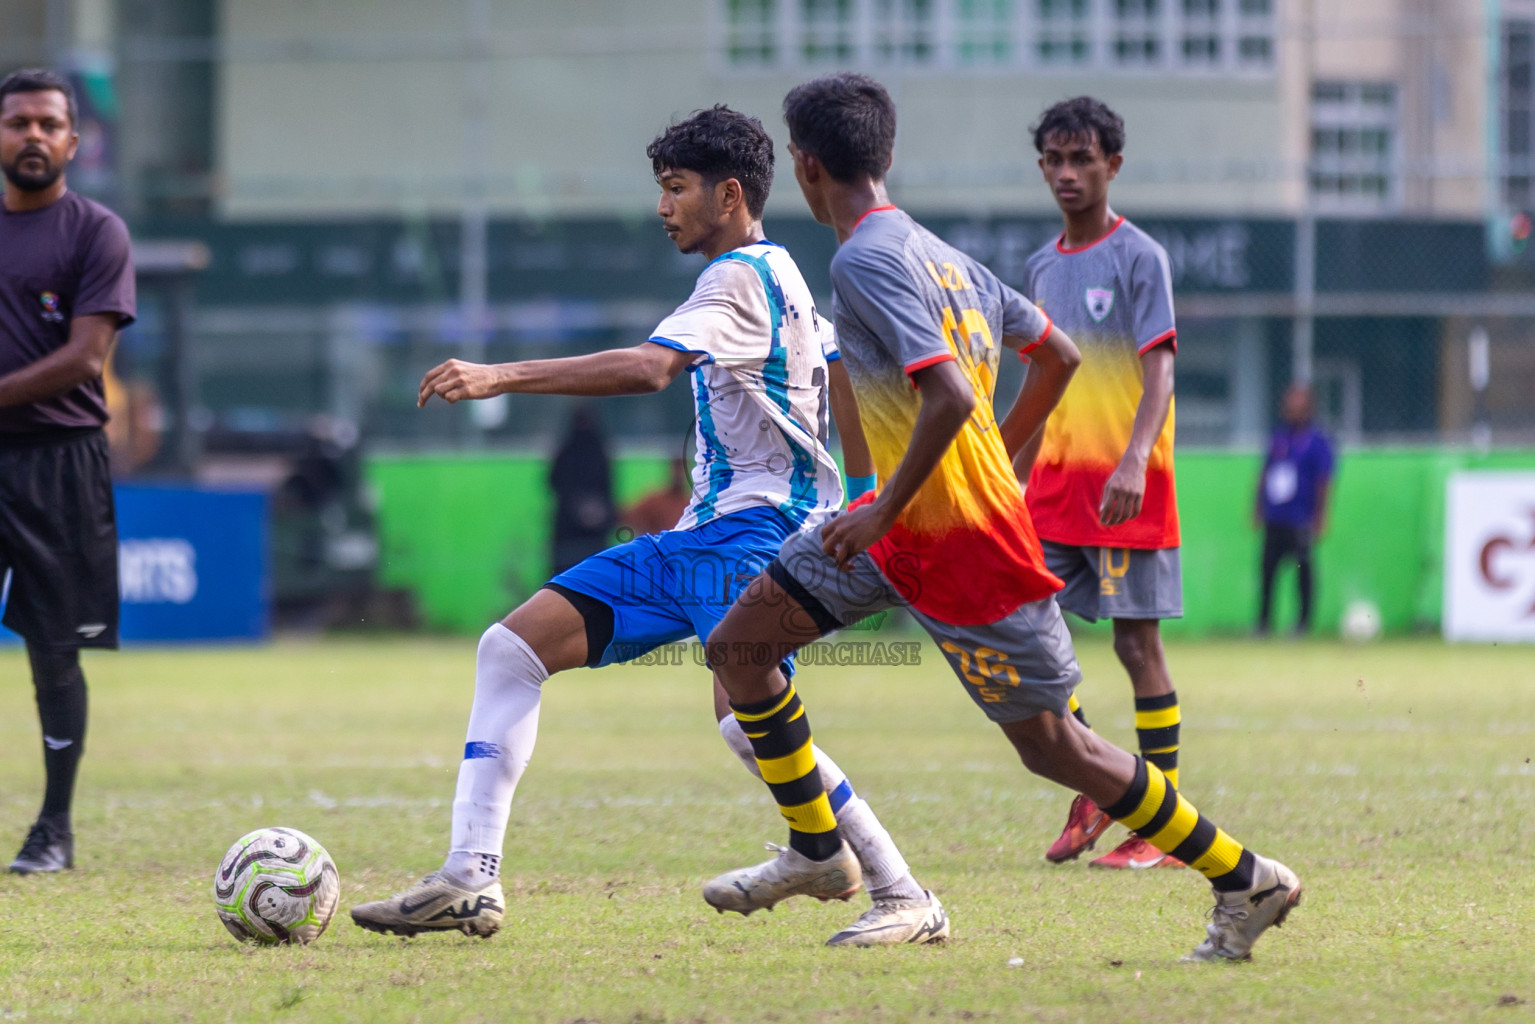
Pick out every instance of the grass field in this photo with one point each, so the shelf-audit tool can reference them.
(1396, 778)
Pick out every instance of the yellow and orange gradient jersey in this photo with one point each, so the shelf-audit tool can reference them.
(1115, 299)
(964, 550)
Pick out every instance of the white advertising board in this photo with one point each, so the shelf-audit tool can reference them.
(1489, 556)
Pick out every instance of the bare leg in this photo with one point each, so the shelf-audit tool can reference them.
(1062, 750)
(1158, 718)
(765, 620)
(1138, 642)
(552, 627)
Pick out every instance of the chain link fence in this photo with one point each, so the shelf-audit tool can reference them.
(1413, 337)
(1412, 330)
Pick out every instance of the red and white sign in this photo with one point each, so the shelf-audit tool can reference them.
(1489, 556)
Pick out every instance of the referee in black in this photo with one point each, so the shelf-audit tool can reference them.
(66, 287)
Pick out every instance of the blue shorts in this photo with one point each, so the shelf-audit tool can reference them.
(665, 587)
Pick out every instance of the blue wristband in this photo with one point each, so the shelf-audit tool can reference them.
(860, 485)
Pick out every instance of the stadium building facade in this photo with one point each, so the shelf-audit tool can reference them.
(1344, 189)
(1338, 184)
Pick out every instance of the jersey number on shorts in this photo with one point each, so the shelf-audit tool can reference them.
(985, 669)
(1113, 564)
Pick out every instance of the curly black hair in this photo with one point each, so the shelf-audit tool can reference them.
(1081, 117)
(846, 121)
(40, 80)
(719, 143)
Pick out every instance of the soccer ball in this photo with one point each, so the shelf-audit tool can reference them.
(1361, 621)
(276, 886)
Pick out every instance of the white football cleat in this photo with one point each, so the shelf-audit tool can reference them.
(1238, 918)
(897, 922)
(791, 873)
(435, 904)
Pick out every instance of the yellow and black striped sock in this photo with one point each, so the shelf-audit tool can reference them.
(780, 739)
(1153, 809)
(1156, 727)
(1076, 711)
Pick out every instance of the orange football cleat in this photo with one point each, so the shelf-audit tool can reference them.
(1084, 825)
(1136, 854)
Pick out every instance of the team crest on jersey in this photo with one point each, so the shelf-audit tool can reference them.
(1099, 302)
(50, 303)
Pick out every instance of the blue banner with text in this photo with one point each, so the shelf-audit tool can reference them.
(193, 564)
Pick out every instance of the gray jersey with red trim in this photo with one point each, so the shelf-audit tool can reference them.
(1117, 292)
(903, 298)
(963, 550)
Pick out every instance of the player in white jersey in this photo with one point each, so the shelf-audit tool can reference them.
(744, 296)
(757, 351)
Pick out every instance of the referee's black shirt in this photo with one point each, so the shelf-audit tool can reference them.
(68, 259)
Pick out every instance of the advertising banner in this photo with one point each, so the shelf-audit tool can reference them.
(192, 564)
(1489, 556)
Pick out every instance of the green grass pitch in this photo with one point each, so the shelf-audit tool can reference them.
(1396, 778)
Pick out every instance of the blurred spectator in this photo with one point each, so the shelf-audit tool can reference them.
(660, 510)
(134, 430)
(1292, 501)
(582, 481)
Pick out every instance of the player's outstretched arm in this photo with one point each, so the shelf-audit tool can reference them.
(1052, 364)
(642, 370)
(947, 402)
(1126, 489)
(78, 360)
(856, 460)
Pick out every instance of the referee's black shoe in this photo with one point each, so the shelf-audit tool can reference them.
(50, 846)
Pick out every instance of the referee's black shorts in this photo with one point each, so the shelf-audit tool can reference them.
(58, 538)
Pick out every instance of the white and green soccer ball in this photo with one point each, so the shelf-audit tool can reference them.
(276, 886)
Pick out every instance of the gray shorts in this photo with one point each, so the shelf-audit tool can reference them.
(1013, 668)
(1117, 583)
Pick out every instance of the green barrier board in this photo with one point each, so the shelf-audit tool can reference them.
(469, 534)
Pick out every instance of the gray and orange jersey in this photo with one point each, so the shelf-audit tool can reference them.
(1115, 299)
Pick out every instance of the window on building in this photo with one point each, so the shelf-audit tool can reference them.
(1199, 37)
(1063, 31)
(1355, 164)
(905, 31)
(1136, 32)
(1517, 122)
(826, 30)
(751, 31)
(983, 31)
(1138, 36)
(1255, 33)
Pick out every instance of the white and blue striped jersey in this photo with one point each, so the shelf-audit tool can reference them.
(759, 387)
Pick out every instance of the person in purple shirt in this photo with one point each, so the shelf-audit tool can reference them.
(66, 288)
(1292, 501)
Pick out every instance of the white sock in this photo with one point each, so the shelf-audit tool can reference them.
(503, 726)
(885, 872)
